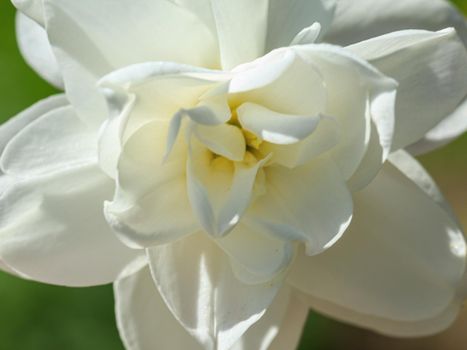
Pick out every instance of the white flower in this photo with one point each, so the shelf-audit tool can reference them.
(248, 172)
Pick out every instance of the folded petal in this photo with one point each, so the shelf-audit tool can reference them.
(273, 127)
(103, 42)
(220, 190)
(143, 319)
(402, 260)
(34, 9)
(155, 208)
(310, 204)
(36, 50)
(195, 279)
(431, 69)
(446, 131)
(357, 20)
(13, 125)
(256, 256)
(57, 140)
(52, 229)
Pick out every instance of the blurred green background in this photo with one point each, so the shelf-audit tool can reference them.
(35, 316)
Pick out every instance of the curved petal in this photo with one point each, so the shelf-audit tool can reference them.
(34, 9)
(155, 208)
(358, 20)
(402, 259)
(52, 229)
(36, 50)
(13, 125)
(431, 69)
(256, 257)
(310, 204)
(287, 19)
(143, 319)
(273, 127)
(195, 279)
(57, 140)
(446, 131)
(220, 190)
(102, 43)
(357, 95)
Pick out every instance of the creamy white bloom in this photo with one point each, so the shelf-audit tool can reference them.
(228, 172)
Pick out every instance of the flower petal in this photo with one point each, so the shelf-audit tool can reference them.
(54, 141)
(225, 140)
(446, 131)
(357, 94)
(287, 18)
(273, 127)
(52, 229)
(219, 189)
(144, 320)
(34, 9)
(36, 50)
(13, 125)
(102, 43)
(309, 203)
(402, 259)
(358, 20)
(431, 69)
(155, 208)
(256, 257)
(196, 281)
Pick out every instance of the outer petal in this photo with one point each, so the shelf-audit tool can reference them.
(196, 281)
(401, 261)
(36, 50)
(145, 322)
(34, 9)
(11, 127)
(102, 43)
(446, 131)
(310, 203)
(52, 229)
(51, 223)
(431, 69)
(358, 20)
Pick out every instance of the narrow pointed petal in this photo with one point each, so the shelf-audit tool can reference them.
(36, 50)
(405, 268)
(195, 279)
(431, 69)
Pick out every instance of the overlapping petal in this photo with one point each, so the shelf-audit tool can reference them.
(196, 281)
(413, 246)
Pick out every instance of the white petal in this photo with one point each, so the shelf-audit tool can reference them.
(34, 9)
(219, 190)
(275, 127)
(402, 259)
(358, 20)
(287, 18)
(103, 42)
(144, 320)
(281, 326)
(446, 131)
(55, 141)
(256, 257)
(52, 229)
(357, 94)
(36, 50)
(431, 69)
(154, 208)
(11, 127)
(225, 140)
(309, 203)
(308, 35)
(196, 281)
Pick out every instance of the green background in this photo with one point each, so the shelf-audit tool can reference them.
(35, 316)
